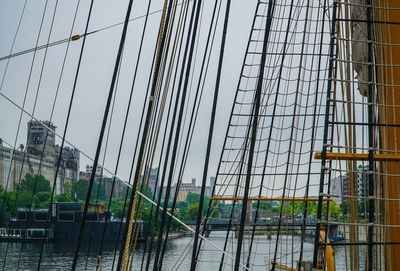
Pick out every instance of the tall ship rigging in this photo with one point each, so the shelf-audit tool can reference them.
(306, 160)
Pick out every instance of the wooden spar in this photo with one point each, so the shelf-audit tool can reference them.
(358, 157)
(267, 199)
(388, 77)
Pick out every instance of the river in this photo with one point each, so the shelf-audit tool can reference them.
(58, 256)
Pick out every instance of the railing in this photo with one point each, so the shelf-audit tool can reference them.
(26, 234)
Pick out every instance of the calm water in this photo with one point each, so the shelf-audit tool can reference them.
(58, 256)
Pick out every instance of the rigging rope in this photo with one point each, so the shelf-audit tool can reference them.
(18, 129)
(77, 36)
(210, 135)
(193, 118)
(100, 140)
(122, 262)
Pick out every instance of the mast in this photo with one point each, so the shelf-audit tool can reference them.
(389, 96)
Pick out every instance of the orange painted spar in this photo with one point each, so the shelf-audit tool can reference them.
(358, 156)
(267, 199)
(389, 95)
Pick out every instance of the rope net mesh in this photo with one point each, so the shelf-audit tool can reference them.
(290, 127)
(356, 67)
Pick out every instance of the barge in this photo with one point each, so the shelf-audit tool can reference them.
(64, 224)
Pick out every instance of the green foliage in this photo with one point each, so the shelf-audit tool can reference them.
(64, 197)
(181, 207)
(35, 184)
(117, 206)
(98, 192)
(123, 192)
(79, 189)
(334, 209)
(68, 189)
(8, 202)
(192, 197)
(24, 199)
(42, 199)
(192, 211)
(293, 208)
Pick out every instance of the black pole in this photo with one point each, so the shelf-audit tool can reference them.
(100, 141)
(257, 102)
(145, 132)
(210, 134)
(370, 175)
(196, 8)
(325, 139)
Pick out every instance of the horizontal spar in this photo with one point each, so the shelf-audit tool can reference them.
(358, 156)
(267, 199)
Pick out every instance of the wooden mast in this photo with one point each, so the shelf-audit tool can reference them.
(388, 75)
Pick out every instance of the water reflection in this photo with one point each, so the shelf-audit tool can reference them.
(58, 256)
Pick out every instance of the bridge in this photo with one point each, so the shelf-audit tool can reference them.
(292, 227)
(222, 224)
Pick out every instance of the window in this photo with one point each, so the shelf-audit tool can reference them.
(35, 233)
(70, 207)
(66, 216)
(21, 216)
(40, 216)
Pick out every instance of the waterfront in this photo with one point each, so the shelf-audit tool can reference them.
(58, 256)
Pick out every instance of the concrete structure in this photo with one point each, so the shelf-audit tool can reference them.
(69, 167)
(106, 181)
(152, 179)
(339, 186)
(99, 171)
(362, 181)
(185, 188)
(38, 158)
(118, 187)
(41, 141)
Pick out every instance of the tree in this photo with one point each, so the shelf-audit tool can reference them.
(192, 197)
(79, 189)
(64, 197)
(117, 207)
(7, 204)
(34, 184)
(42, 199)
(24, 199)
(98, 192)
(334, 210)
(192, 211)
(292, 208)
(68, 189)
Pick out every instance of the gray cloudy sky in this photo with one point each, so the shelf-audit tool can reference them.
(96, 71)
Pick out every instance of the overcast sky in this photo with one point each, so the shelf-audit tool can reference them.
(96, 71)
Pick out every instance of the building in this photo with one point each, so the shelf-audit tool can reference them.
(186, 188)
(99, 171)
(106, 181)
(41, 141)
(191, 187)
(69, 166)
(38, 158)
(340, 187)
(362, 181)
(151, 180)
(210, 188)
(118, 187)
